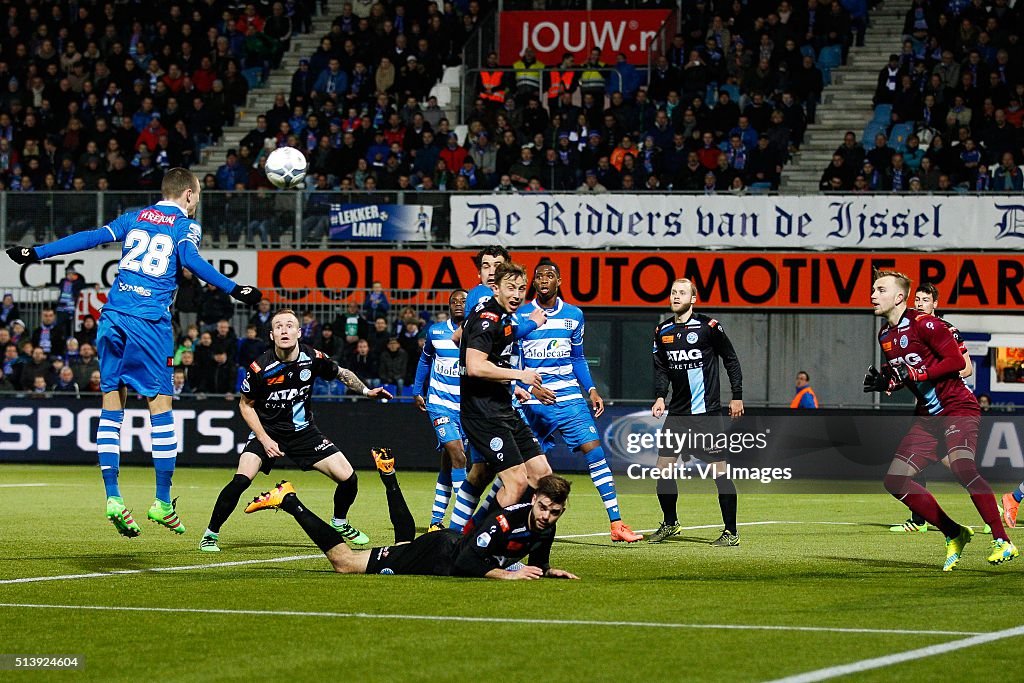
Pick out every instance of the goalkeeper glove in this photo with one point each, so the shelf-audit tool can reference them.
(881, 381)
(904, 373)
(23, 255)
(247, 294)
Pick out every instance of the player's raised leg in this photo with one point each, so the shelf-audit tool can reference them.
(248, 467)
(337, 467)
(108, 446)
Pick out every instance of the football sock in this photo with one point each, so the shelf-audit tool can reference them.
(668, 496)
(921, 501)
(727, 501)
(914, 517)
(601, 475)
(227, 501)
(488, 504)
(398, 509)
(442, 495)
(319, 531)
(344, 496)
(1018, 495)
(108, 446)
(966, 471)
(465, 501)
(165, 452)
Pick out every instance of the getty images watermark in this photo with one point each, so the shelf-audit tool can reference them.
(704, 455)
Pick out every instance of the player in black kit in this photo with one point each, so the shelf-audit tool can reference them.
(686, 351)
(276, 404)
(496, 431)
(506, 536)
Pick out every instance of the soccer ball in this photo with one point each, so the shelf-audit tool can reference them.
(286, 167)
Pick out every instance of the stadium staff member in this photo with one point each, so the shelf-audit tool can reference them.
(805, 398)
(505, 537)
(687, 347)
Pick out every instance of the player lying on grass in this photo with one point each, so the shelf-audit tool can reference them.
(276, 403)
(135, 338)
(506, 536)
(921, 355)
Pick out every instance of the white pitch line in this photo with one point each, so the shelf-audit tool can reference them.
(20, 486)
(492, 620)
(122, 572)
(900, 657)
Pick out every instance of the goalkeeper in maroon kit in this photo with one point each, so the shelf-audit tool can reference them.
(922, 356)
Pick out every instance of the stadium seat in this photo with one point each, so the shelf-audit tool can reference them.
(443, 94)
(830, 57)
(240, 376)
(452, 77)
(883, 114)
(391, 389)
(807, 51)
(760, 188)
(338, 388)
(870, 131)
(321, 387)
(898, 136)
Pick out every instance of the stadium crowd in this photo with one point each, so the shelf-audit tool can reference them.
(948, 106)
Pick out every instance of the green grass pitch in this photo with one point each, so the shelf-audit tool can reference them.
(800, 594)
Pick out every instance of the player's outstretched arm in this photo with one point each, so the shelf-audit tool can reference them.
(80, 241)
(191, 259)
(355, 384)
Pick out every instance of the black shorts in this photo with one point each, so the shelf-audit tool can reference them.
(704, 437)
(503, 442)
(430, 554)
(305, 448)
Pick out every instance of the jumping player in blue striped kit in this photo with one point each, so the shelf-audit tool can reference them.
(555, 351)
(135, 339)
(439, 398)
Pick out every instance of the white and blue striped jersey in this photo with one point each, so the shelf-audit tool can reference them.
(443, 390)
(477, 295)
(555, 351)
(148, 272)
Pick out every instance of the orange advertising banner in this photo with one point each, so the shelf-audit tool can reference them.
(798, 280)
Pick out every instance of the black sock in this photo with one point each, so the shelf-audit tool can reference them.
(668, 496)
(916, 518)
(398, 509)
(319, 531)
(227, 501)
(344, 496)
(727, 501)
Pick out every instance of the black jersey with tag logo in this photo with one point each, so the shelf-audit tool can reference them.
(686, 359)
(502, 539)
(489, 328)
(282, 391)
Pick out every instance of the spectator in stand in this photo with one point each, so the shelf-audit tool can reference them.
(363, 364)
(378, 336)
(38, 367)
(13, 366)
(393, 364)
(836, 171)
(187, 299)
(221, 376)
(260, 319)
(224, 337)
(9, 311)
(66, 383)
(49, 336)
(310, 327)
(329, 344)
(231, 173)
(87, 333)
(214, 305)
